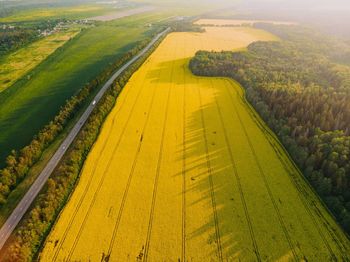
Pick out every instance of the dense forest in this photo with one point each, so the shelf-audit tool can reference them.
(13, 38)
(186, 25)
(304, 96)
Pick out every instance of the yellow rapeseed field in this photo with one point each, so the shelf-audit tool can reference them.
(184, 170)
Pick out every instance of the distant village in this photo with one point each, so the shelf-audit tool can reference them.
(49, 30)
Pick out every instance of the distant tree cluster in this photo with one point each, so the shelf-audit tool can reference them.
(13, 38)
(305, 98)
(37, 223)
(186, 26)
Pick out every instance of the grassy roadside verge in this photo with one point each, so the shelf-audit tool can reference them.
(33, 229)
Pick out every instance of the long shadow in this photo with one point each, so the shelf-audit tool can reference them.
(215, 185)
(222, 196)
(223, 192)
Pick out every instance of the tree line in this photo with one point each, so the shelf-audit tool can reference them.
(37, 223)
(18, 163)
(304, 97)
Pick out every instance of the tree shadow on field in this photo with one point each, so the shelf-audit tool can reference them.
(173, 77)
(223, 226)
(199, 189)
(227, 237)
(210, 176)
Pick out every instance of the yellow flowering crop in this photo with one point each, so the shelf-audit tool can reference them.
(184, 170)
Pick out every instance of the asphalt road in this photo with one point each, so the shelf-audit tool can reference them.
(34, 190)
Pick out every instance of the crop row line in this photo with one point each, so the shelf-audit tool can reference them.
(184, 148)
(126, 191)
(238, 180)
(211, 184)
(89, 182)
(94, 170)
(292, 178)
(100, 184)
(155, 185)
(262, 174)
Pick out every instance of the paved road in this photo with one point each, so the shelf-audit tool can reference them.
(34, 190)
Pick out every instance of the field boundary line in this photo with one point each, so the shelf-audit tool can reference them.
(239, 185)
(289, 168)
(292, 163)
(211, 185)
(292, 167)
(262, 173)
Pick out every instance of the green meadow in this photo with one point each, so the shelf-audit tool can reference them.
(35, 99)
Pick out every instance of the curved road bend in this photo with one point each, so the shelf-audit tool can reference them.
(34, 190)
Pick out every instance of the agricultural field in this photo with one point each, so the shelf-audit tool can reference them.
(228, 22)
(185, 170)
(35, 99)
(71, 12)
(121, 14)
(17, 64)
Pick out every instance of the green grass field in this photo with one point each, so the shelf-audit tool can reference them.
(29, 104)
(71, 12)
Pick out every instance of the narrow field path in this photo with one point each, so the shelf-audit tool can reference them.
(184, 170)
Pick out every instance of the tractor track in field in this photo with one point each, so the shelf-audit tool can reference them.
(262, 174)
(307, 207)
(95, 167)
(183, 247)
(238, 180)
(211, 185)
(300, 190)
(155, 184)
(126, 191)
(76, 240)
(89, 181)
(293, 180)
